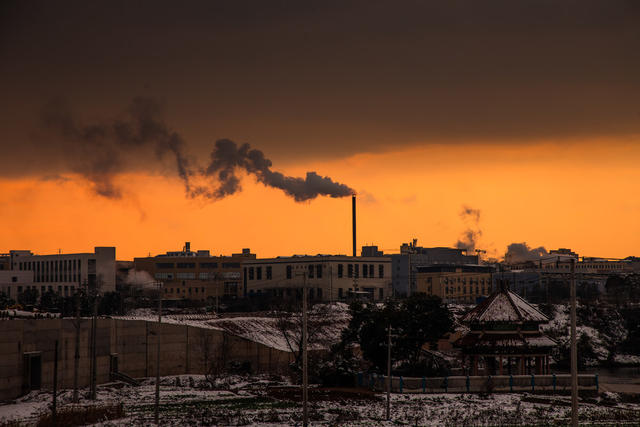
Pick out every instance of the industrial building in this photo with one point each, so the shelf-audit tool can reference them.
(454, 283)
(327, 277)
(405, 264)
(63, 273)
(195, 275)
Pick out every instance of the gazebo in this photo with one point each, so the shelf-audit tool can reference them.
(504, 333)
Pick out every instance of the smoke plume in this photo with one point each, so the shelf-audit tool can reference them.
(227, 158)
(520, 252)
(140, 278)
(472, 234)
(99, 152)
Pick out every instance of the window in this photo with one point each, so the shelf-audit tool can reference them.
(208, 265)
(350, 270)
(310, 268)
(230, 265)
(339, 292)
(164, 265)
(186, 275)
(380, 293)
(251, 275)
(164, 276)
(365, 271)
(319, 293)
(203, 276)
(14, 279)
(340, 271)
(186, 265)
(269, 273)
(319, 271)
(371, 272)
(357, 272)
(288, 272)
(259, 273)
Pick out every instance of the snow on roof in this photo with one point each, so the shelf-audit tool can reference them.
(504, 306)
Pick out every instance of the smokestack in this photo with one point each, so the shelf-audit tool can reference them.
(187, 247)
(353, 215)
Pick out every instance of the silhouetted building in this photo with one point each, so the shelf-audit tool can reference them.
(368, 251)
(411, 256)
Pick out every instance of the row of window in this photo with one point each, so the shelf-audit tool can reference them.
(229, 289)
(187, 276)
(313, 292)
(192, 265)
(61, 290)
(316, 271)
(62, 270)
(452, 290)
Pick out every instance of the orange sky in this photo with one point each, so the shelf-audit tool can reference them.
(581, 195)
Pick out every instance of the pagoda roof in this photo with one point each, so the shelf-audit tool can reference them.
(504, 307)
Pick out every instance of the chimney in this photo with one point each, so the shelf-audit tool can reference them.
(187, 247)
(353, 215)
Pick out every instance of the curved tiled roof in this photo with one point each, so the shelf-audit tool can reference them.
(504, 306)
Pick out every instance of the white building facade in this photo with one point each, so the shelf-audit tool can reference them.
(63, 273)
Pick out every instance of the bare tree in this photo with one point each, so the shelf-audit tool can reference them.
(210, 365)
(289, 323)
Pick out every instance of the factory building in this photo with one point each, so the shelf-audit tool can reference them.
(405, 264)
(327, 277)
(195, 275)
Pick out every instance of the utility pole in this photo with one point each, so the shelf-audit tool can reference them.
(305, 378)
(389, 374)
(157, 405)
(76, 356)
(54, 408)
(574, 349)
(94, 330)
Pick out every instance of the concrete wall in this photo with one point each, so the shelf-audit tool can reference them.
(184, 350)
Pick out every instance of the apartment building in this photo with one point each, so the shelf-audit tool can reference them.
(327, 277)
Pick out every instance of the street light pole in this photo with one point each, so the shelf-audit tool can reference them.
(157, 405)
(389, 374)
(574, 349)
(305, 378)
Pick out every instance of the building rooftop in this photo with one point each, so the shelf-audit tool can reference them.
(504, 306)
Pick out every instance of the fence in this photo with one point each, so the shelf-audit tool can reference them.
(478, 384)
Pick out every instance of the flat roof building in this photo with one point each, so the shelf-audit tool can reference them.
(195, 275)
(63, 273)
(328, 277)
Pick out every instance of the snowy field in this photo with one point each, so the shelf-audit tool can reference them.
(272, 401)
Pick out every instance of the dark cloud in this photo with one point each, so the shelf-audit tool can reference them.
(99, 152)
(326, 79)
(520, 252)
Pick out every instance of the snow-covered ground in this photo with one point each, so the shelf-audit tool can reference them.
(272, 401)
